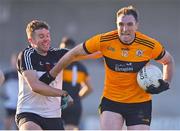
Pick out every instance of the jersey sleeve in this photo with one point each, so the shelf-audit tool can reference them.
(92, 45)
(25, 61)
(158, 51)
(62, 52)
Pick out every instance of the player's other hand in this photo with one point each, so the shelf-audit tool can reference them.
(156, 90)
(66, 101)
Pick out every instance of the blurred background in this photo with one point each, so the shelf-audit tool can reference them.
(81, 19)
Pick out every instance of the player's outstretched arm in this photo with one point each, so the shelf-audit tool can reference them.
(75, 54)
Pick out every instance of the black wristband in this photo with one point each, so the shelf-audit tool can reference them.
(46, 78)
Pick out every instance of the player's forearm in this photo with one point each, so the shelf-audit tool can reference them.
(46, 90)
(62, 63)
(39, 87)
(84, 92)
(75, 54)
(168, 70)
(86, 89)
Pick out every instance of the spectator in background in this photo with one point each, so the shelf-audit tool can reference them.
(76, 83)
(11, 94)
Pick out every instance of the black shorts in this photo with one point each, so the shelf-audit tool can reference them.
(133, 113)
(10, 112)
(44, 123)
(72, 114)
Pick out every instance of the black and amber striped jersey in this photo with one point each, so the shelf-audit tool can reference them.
(73, 75)
(122, 62)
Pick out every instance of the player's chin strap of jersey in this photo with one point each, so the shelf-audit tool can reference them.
(156, 90)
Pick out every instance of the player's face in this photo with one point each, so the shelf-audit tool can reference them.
(127, 26)
(41, 40)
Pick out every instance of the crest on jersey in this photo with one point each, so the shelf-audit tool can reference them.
(139, 52)
(124, 52)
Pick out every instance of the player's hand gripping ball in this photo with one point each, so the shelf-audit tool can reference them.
(149, 79)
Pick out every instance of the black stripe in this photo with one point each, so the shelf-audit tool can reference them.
(108, 36)
(145, 44)
(103, 40)
(124, 66)
(145, 41)
(85, 49)
(161, 55)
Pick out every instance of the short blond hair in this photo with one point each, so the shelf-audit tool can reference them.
(129, 10)
(35, 25)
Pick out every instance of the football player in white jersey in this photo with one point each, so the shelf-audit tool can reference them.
(40, 94)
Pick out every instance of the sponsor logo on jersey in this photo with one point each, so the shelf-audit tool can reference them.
(124, 67)
(40, 63)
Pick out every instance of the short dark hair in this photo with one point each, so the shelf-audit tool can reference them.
(129, 10)
(68, 42)
(35, 25)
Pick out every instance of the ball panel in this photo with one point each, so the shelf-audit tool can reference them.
(149, 75)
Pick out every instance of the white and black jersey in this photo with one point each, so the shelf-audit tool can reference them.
(29, 101)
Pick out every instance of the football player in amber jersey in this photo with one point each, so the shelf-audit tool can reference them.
(125, 51)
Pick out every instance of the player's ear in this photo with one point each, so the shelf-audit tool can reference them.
(30, 40)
